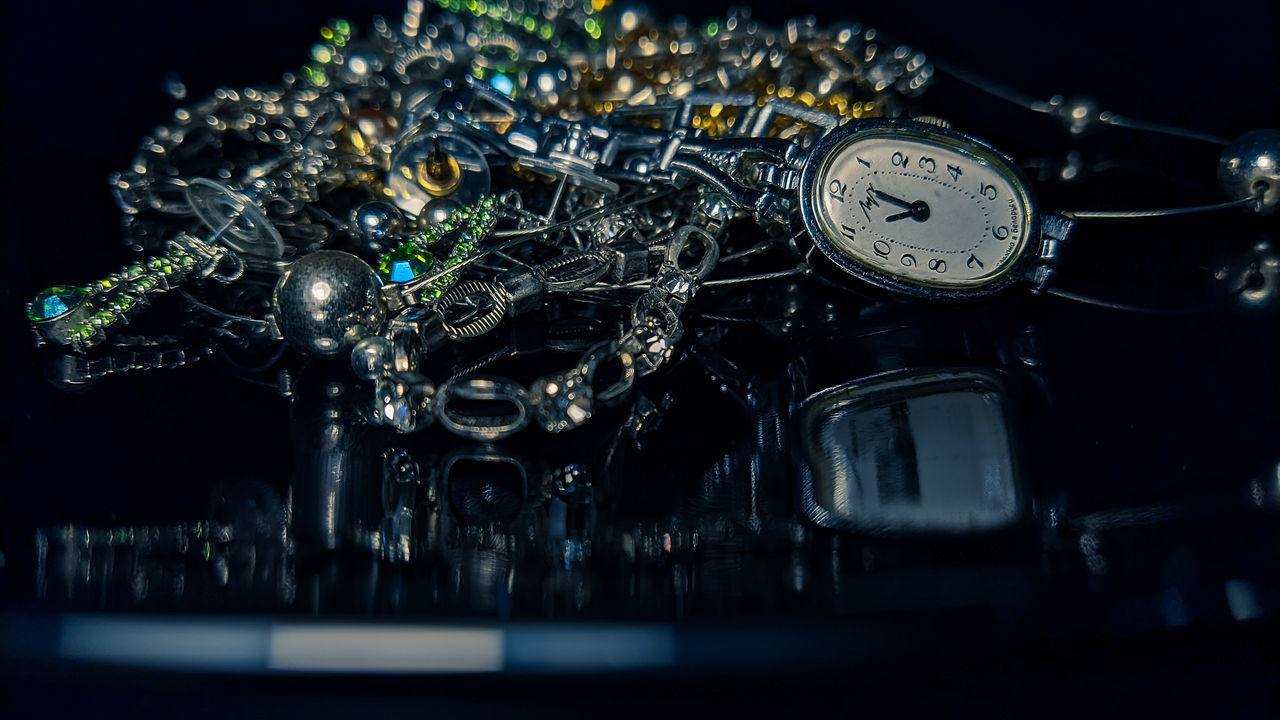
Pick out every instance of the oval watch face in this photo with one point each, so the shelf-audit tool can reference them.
(920, 205)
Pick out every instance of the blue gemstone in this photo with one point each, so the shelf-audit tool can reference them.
(503, 84)
(405, 263)
(401, 271)
(53, 307)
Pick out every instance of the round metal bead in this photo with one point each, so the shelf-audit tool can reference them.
(435, 211)
(371, 357)
(1250, 167)
(374, 224)
(328, 301)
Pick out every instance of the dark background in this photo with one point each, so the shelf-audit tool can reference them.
(1148, 402)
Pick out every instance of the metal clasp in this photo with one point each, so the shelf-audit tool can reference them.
(591, 361)
(479, 392)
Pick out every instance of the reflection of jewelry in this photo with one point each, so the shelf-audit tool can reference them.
(418, 187)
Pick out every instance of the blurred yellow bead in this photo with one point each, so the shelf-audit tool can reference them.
(439, 174)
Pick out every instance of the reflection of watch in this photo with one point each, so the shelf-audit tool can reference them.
(919, 430)
(913, 451)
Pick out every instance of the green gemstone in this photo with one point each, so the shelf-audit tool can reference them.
(133, 271)
(439, 284)
(56, 302)
(462, 248)
(83, 332)
(144, 284)
(405, 263)
(124, 302)
(315, 75)
(102, 317)
(168, 269)
(451, 261)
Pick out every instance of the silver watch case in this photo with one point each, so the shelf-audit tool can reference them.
(1035, 265)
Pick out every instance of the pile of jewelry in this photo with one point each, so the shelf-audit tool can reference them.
(483, 165)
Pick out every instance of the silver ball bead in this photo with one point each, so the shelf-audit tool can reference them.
(547, 85)
(1250, 167)
(328, 301)
(371, 357)
(435, 211)
(374, 224)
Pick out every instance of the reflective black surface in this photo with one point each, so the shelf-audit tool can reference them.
(1141, 559)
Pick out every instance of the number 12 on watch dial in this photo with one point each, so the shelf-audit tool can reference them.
(919, 209)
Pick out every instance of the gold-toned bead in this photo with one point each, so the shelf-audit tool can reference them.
(439, 173)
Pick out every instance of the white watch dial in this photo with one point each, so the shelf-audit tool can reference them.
(925, 208)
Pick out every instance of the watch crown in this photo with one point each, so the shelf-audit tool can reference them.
(933, 120)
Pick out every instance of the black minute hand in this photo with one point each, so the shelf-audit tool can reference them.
(918, 210)
(886, 196)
